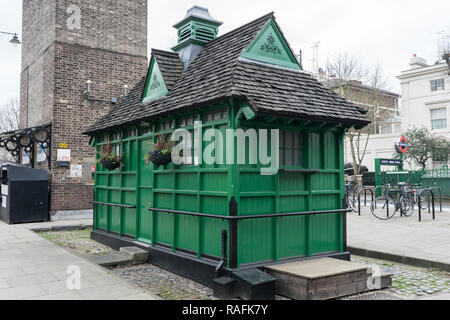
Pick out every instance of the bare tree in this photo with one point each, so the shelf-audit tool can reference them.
(9, 121)
(9, 116)
(346, 70)
(446, 52)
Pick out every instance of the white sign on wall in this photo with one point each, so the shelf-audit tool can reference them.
(63, 157)
(3, 201)
(76, 171)
(4, 189)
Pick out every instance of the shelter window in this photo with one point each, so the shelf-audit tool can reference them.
(216, 115)
(192, 158)
(116, 149)
(146, 128)
(188, 121)
(166, 125)
(132, 133)
(116, 136)
(290, 149)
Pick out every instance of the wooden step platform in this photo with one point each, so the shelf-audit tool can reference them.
(321, 279)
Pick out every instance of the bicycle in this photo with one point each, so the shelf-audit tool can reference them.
(415, 194)
(352, 196)
(390, 204)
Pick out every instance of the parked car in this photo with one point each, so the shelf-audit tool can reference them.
(349, 170)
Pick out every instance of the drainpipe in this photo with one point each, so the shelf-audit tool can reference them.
(223, 260)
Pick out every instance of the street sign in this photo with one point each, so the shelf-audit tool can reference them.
(401, 146)
(391, 162)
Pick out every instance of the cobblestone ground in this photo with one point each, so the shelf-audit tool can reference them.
(77, 240)
(165, 284)
(409, 281)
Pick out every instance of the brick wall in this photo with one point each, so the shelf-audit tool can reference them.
(66, 43)
(73, 113)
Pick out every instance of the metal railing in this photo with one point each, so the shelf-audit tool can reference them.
(233, 218)
(365, 190)
(260, 216)
(114, 205)
(440, 196)
(419, 195)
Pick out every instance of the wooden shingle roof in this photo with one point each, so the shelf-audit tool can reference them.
(219, 73)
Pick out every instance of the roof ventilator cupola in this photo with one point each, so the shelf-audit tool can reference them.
(194, 32)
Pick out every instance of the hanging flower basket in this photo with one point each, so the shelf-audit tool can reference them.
(158, 158)
(110, 165)
(108, 159)
(162, 153)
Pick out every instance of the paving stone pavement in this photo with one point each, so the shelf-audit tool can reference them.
(403, 237)
(32, 267)
(162, 283)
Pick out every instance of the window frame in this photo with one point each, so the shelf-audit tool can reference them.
(437, 85)
(294, 151)
(434, 125)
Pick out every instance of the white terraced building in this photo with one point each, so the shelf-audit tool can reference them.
(425, 101)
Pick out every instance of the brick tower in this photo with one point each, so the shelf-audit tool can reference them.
(78, 57)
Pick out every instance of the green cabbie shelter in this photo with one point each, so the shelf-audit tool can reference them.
(200, 217)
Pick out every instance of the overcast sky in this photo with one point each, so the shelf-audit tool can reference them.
(385, 32)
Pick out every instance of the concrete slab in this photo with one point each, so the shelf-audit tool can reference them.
(137, 255)
(320, 279)
(318, 268)
(112, 260)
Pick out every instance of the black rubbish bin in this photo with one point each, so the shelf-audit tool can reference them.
(24, 194)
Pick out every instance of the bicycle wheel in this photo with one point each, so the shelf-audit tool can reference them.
(406, 204)
(423, 202)
(383, 208)
(353, 200)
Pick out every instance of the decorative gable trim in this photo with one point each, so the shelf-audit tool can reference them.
(270, 47)
(155, 86)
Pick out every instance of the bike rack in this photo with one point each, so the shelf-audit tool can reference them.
(419, 194)
(380, 187)
(440, 196)
(365, 198)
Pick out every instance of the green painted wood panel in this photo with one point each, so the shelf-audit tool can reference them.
(325, 228)
(292, 233)
(291, 182)
(115, 213)
(212, 228)
(255, 182)
(214, 182)
(331, 140)
(256, 236)
(129, 215)
(145, 216)
(163, 221)
(102, 211)
(187, 237)
(187, 181)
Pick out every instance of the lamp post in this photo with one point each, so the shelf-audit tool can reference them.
(15, 39)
